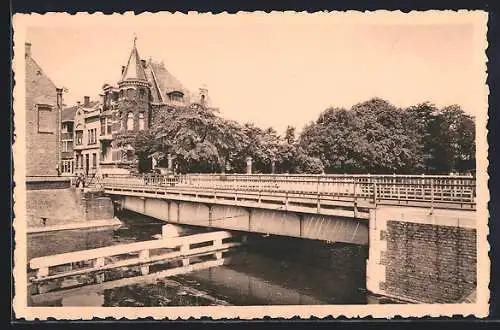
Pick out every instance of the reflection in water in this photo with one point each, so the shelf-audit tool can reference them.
(270, 270)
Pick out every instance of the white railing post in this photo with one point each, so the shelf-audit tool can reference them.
(217, 245)
(99, 262)
(184, 251)
(42, 272)
(143, 257)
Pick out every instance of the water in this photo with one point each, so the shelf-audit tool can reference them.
(268, 271)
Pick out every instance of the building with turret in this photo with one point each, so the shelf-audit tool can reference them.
(145, 89)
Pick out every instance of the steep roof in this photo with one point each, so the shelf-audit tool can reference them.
(134, 69)
(163, 82)
(68, 114)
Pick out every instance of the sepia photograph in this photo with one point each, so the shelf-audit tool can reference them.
(248, 165)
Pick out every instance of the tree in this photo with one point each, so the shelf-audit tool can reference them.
(372, 136)
(453, 141)
(200, 140)
(422, 117)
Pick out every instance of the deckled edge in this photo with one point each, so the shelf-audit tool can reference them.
(479, 309)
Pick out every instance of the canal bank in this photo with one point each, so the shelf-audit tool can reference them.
(268, 271)
(62, 218)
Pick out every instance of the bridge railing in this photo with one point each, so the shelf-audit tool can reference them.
(428, 188)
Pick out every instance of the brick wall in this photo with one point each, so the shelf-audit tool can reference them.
(428, 263)
(41, 148)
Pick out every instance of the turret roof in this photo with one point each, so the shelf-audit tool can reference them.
(134, 69)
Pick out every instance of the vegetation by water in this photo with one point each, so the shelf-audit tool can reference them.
(370, 137)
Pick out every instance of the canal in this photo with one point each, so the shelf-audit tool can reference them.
(270, 270)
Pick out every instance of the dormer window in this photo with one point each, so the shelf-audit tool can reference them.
(176, 97)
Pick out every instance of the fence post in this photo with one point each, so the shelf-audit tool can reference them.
(217, 245)
(143, 257)
(318, 196)
(184, 250)
(432, 195)
(375, 192)
(42, 272)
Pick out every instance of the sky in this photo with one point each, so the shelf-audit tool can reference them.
(274, 70)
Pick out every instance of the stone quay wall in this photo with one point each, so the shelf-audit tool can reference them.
(421, 256)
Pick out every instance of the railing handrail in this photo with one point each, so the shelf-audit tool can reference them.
(109, 251)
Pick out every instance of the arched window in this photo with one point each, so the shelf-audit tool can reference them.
(141, 121)
(130, 121)
(142, 93)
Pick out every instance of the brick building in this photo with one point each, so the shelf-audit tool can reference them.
(43, 109)
(145, 89)
(86, 146)
(67, 131)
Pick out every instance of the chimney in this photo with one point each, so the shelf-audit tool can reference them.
(27, 49)
(86, 101)
(123, 68)
(203, 94)
(143, 63)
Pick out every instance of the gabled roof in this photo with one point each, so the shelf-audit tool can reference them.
(134, 69)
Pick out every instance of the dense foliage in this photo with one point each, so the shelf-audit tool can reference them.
(371, 137)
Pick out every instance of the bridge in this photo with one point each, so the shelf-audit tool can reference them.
(423, 223)
(328, 207)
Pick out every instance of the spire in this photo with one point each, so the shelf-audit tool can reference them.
(134, 69)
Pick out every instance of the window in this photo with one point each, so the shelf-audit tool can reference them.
(141, 121)
(94, 160)
(142, 93)
(103, 126)
(46, 118)
(78, 137)
(92, 136)
(108, 125)
(66, 146)
(130, 121)
(67, 166)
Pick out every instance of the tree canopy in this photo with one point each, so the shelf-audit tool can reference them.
(370, 137)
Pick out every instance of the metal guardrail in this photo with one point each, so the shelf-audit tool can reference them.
(375, 188)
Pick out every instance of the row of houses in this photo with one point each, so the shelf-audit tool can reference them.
(93, 131)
